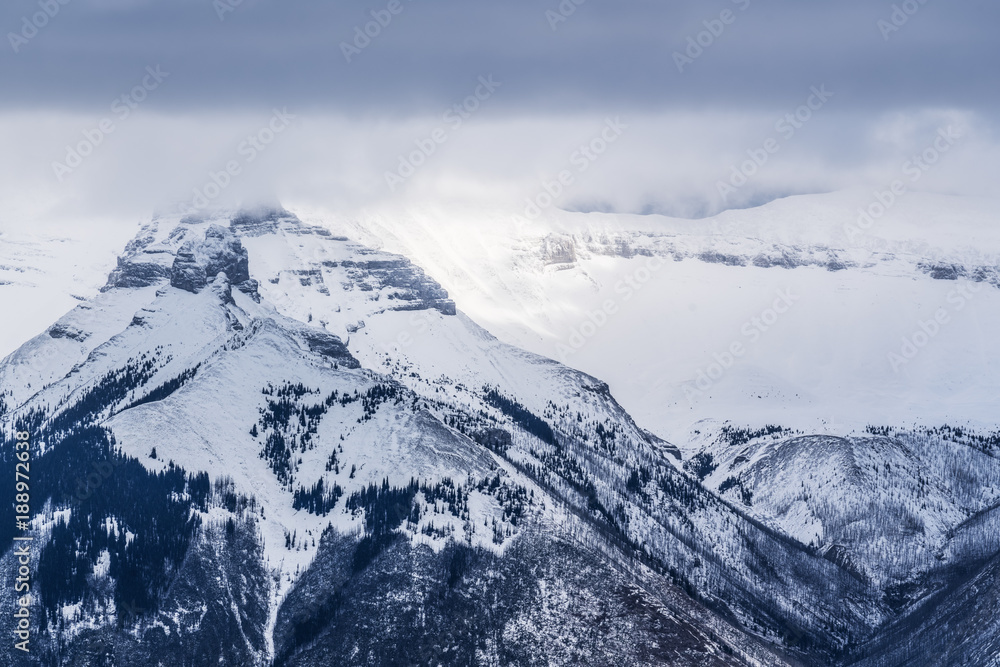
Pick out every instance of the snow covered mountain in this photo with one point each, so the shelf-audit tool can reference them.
(263, 443)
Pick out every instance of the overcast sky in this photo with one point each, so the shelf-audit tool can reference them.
(897, 73)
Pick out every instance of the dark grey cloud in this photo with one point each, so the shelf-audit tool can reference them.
(894, 90)
(607, 53)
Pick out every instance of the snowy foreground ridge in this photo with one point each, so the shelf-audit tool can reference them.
(264, 442)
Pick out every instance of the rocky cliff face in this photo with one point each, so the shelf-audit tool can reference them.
(410, 284)
(566, 249)
(135, 274)
(199, 261)
(196, 251)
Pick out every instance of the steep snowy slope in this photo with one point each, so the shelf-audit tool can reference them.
(956, 627)
(896, 507)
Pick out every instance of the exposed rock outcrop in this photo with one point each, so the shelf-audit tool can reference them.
(258, 221)
(136, 274)
(330, 346)
(66, 331)
(413, 286)
(199, 262)
(558, 250)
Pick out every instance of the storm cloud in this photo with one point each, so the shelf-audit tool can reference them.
(554, 55)
(701, 86)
